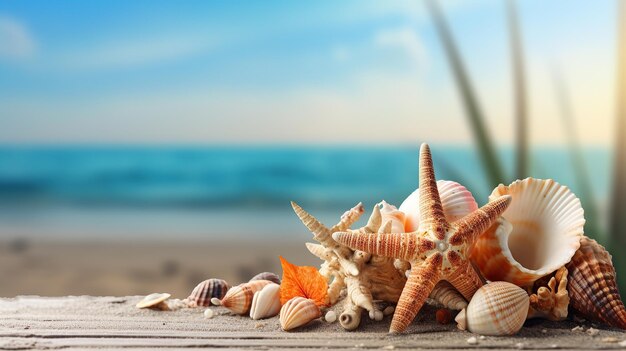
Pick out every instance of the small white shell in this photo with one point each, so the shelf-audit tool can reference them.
(154, 300)
(298, 312)
(331, 316)
(266, 302)
(498, 308)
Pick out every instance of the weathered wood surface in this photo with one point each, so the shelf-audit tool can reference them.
(114, 322)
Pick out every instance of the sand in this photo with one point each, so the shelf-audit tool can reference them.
(135, 268)
(105, 322)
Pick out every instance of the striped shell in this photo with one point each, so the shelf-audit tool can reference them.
(498, 308)
(298, 312)
(592, 287)
(538, 233)
(239, 298)
(266, 302)
(206, 290)
(445, 295)
(267, 276)
(456, 200)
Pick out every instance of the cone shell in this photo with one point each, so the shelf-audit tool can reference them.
(538, 233)
(206, 290)
(456, 200)
(498, 308)
(267, 276)
(266, 302)
(239, 298)
(592, 287)
(298, 312)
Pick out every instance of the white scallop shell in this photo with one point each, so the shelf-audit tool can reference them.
(456, 200)
(498, 308)
(298, 312)
(538, 233)
(266, 302)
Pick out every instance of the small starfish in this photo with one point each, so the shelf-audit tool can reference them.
(437, 250)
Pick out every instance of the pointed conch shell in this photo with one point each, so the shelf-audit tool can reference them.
(266, 302)
(498, 308)
(239, 298)
(273, 277)
(206, 290)
(592, 287)
(456, 200)
(538, 234)
(298, 312)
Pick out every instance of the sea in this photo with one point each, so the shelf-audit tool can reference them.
(233, 192)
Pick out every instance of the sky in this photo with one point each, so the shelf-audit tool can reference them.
(294, 72)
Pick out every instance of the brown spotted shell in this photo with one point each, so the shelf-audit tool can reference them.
(239, 298)
(206, 290)
(267, 276)
(592, 286)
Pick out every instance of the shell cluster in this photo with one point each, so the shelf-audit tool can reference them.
(239, 298)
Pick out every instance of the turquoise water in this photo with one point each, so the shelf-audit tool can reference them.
(231, 192)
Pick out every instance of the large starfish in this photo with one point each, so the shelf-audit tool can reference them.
(437, 250)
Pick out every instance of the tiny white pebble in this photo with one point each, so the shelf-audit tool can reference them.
(208, 313)
(578, 328)
(544, 330)
(330, 316)
(472, 341)
(622, 343)
(554, 346)
(593, 331)
(482, 337)
(519, 345)
(388, 310)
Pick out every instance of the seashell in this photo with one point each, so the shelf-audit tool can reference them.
(266, 302)
(239, 298)
(551, 301)
(298, 312)
(445, 295)
(330, 317)
(498, 308)
(538, 233)
(206, 290)
(592, 286)
(267, 276)
(456, 200)
(155, 300)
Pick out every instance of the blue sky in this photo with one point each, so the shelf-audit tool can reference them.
(291, 72)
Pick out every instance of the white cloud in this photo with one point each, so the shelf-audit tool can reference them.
(16, 41)
(404, 39)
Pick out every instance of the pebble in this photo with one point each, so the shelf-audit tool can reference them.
(519, 345)
(578, 328)
(472, 341)
(554, 346)
(622, 343)
(482, 337)
(592, 331)
(544, 331)
(208, 313)
(610, 340)
(388, 310)
(330, 317)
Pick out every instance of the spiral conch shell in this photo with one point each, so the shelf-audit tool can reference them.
(206, 290)
(239, 298)
(498, 308)
(592, 286)
(297, 312)
(538, 234)
(266, 302)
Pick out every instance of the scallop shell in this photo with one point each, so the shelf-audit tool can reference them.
(498, 308)
(206, 290)
(266, 302)
(592, 287)
(267, 276)
(456, 200)
(298, 312)
(538, 233)
(239, 298)
(155, 300)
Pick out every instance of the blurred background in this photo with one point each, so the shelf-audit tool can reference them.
(148, 145)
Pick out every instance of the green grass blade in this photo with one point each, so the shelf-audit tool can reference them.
(486, 150)
(519, 85)
(617, 232)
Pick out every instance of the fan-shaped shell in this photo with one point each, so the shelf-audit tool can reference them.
(498, 308)
(239, 298)
(266, 302)
(267, 276)
(538, 233)
(153, 300)
(297, 312)
(592, 287)
(456, 200)
(206, 290)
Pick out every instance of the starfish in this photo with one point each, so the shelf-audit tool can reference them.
(437, 250)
